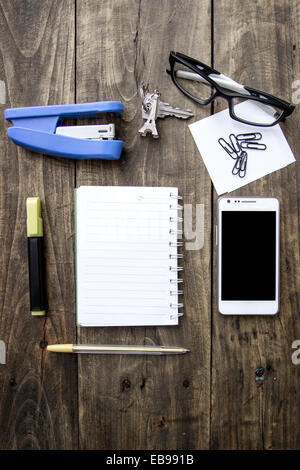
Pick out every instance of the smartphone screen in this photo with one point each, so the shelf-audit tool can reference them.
(248, 255)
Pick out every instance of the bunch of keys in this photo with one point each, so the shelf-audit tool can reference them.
(236, 149)
(153, 108)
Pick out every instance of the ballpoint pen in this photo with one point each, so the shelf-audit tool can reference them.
(115, 349)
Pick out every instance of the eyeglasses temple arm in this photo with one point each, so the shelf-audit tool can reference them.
(222, 80)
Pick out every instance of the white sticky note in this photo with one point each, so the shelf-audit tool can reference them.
(208, 131)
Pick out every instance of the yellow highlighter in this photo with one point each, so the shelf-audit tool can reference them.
(38, 302)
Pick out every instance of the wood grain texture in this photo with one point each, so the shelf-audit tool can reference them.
(147, 402)
(259, 46)
(87, 50)
(38, 393)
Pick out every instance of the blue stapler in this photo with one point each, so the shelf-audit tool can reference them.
(39, 129)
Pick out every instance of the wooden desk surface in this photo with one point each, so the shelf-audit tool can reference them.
(56, 52)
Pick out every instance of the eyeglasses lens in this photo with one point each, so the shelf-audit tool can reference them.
(255, 112)
(192, 83)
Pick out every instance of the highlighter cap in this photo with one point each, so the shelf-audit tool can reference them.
(34, 219)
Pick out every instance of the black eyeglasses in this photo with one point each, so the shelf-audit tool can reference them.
(203, 84)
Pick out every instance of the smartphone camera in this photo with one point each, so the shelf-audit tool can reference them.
(228, 200)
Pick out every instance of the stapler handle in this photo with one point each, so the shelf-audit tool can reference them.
(67, 111)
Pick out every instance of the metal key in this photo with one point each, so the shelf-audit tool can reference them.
(164, 109)
(153, 108)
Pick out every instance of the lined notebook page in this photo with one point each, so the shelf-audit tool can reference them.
(126, 260)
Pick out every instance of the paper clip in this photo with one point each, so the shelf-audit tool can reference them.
(240, 165)
(235, 143)
(227, 147)
(252, 145)
(249, 136)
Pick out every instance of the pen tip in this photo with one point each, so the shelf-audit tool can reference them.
(60, 348)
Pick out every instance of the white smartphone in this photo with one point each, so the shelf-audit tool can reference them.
(248, 255)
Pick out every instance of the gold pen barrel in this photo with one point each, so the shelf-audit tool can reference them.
(134, 349)
(115, 349)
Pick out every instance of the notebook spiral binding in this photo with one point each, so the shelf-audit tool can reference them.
(176, 315)
(176, 196)
(174, 232)
(175, 244)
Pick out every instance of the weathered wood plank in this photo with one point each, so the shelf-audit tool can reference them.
(38, 399)
(257, 43)
(140, 402)
(147, 402)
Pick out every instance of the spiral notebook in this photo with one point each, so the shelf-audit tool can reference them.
(127, 256)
